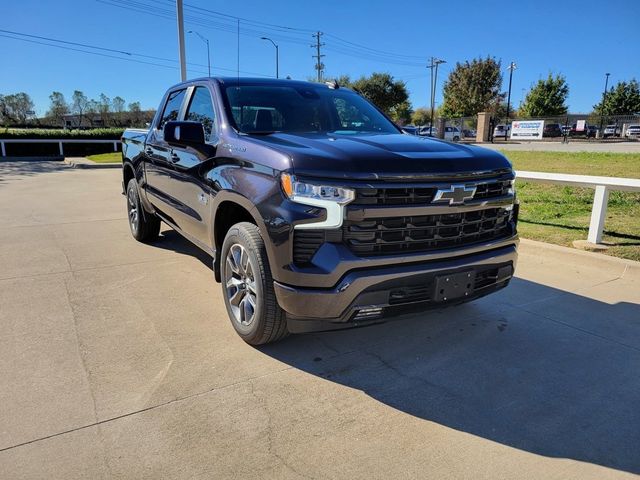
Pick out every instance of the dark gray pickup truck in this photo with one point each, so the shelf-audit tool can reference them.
(318, 212)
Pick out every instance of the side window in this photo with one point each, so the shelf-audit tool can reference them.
(201, 110)
(172, 108)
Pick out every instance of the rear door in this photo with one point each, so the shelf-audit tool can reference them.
(159, 159)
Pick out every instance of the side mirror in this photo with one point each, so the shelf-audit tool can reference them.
(184, 133)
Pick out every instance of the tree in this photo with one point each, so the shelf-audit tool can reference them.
(623, 99)
(422, 116)
(117, 106)
(79, 104)
(93, 107)
(546, 98)
(472, 87)
(15, 108)
(383, 91)
(401, 113)
(104, 106)
(136, 114)
(58, 107)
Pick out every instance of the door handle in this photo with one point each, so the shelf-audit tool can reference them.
(174, 157)
(149, 151)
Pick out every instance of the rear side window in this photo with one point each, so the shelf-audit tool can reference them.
(201, 110)
(172, 108)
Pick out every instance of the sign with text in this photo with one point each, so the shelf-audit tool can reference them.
(581, 125)
(527, 130)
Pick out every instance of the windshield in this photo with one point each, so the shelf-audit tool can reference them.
(263, 109)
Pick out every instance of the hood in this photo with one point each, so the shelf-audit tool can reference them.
(382, 156)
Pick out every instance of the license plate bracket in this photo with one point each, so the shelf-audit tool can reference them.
(454, 285)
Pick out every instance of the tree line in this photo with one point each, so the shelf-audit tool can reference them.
(17, 110)
(476, 86)
(471, 87)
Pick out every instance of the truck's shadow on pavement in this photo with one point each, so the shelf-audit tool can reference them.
(559, 377)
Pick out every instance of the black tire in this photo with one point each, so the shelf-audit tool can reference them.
(456, 139)
(248, 289)
(145, 226)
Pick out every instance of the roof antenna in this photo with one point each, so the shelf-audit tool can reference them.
(332, 84)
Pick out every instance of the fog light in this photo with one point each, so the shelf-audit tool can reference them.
(368, 313)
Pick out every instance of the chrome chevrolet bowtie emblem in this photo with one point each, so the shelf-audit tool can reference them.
(455, 194)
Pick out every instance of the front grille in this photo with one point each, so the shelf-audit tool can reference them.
(398, 235)
(421, 195)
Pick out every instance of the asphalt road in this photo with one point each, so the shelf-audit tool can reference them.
(117, 360)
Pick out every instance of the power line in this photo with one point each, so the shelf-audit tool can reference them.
(205, 18)
(48, 42)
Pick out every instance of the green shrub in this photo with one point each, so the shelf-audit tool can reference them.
(40, 133)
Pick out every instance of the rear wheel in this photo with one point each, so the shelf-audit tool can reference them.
(247, 287)
(145, 227)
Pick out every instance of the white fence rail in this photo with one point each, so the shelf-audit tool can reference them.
(60, 142)
(602, 186)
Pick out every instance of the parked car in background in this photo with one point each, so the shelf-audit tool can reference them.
(633, 131)
(428, 131)
(611, 131)
(410, 129)
(501, 131)
(592, 131)
(587, 132)
(453, 134)
(469, 133)
(552, 130)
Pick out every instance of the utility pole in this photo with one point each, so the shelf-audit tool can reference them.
(511, 68)
(434, 81)
(183, 58)
(318, 56)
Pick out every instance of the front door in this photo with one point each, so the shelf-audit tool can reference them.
(187, 193)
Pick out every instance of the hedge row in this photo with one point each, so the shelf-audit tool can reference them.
(40, 133)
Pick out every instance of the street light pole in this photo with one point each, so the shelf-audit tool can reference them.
(205, 40)
(604, 100)
(277, 55)
(511, 68)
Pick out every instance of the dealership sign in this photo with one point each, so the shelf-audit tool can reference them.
(527, 130)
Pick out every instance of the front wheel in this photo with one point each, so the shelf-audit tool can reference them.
(247, 287)
(145, 227)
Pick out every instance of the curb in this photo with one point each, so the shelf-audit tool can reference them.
(88, 164)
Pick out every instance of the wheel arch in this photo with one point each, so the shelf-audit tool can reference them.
(231, 208)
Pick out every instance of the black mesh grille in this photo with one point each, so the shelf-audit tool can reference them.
(397, 235)
(417, 195)
(492, 190)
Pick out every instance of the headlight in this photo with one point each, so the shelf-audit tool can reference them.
(329, 197)
(298, 190)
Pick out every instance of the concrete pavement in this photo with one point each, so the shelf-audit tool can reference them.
(117, 360)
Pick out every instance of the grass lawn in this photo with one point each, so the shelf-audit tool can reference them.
(559, 214)
(112, 157)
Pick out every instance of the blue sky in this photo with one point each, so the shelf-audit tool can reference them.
(541, 37)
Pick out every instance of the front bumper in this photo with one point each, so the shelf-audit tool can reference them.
(364, 296)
